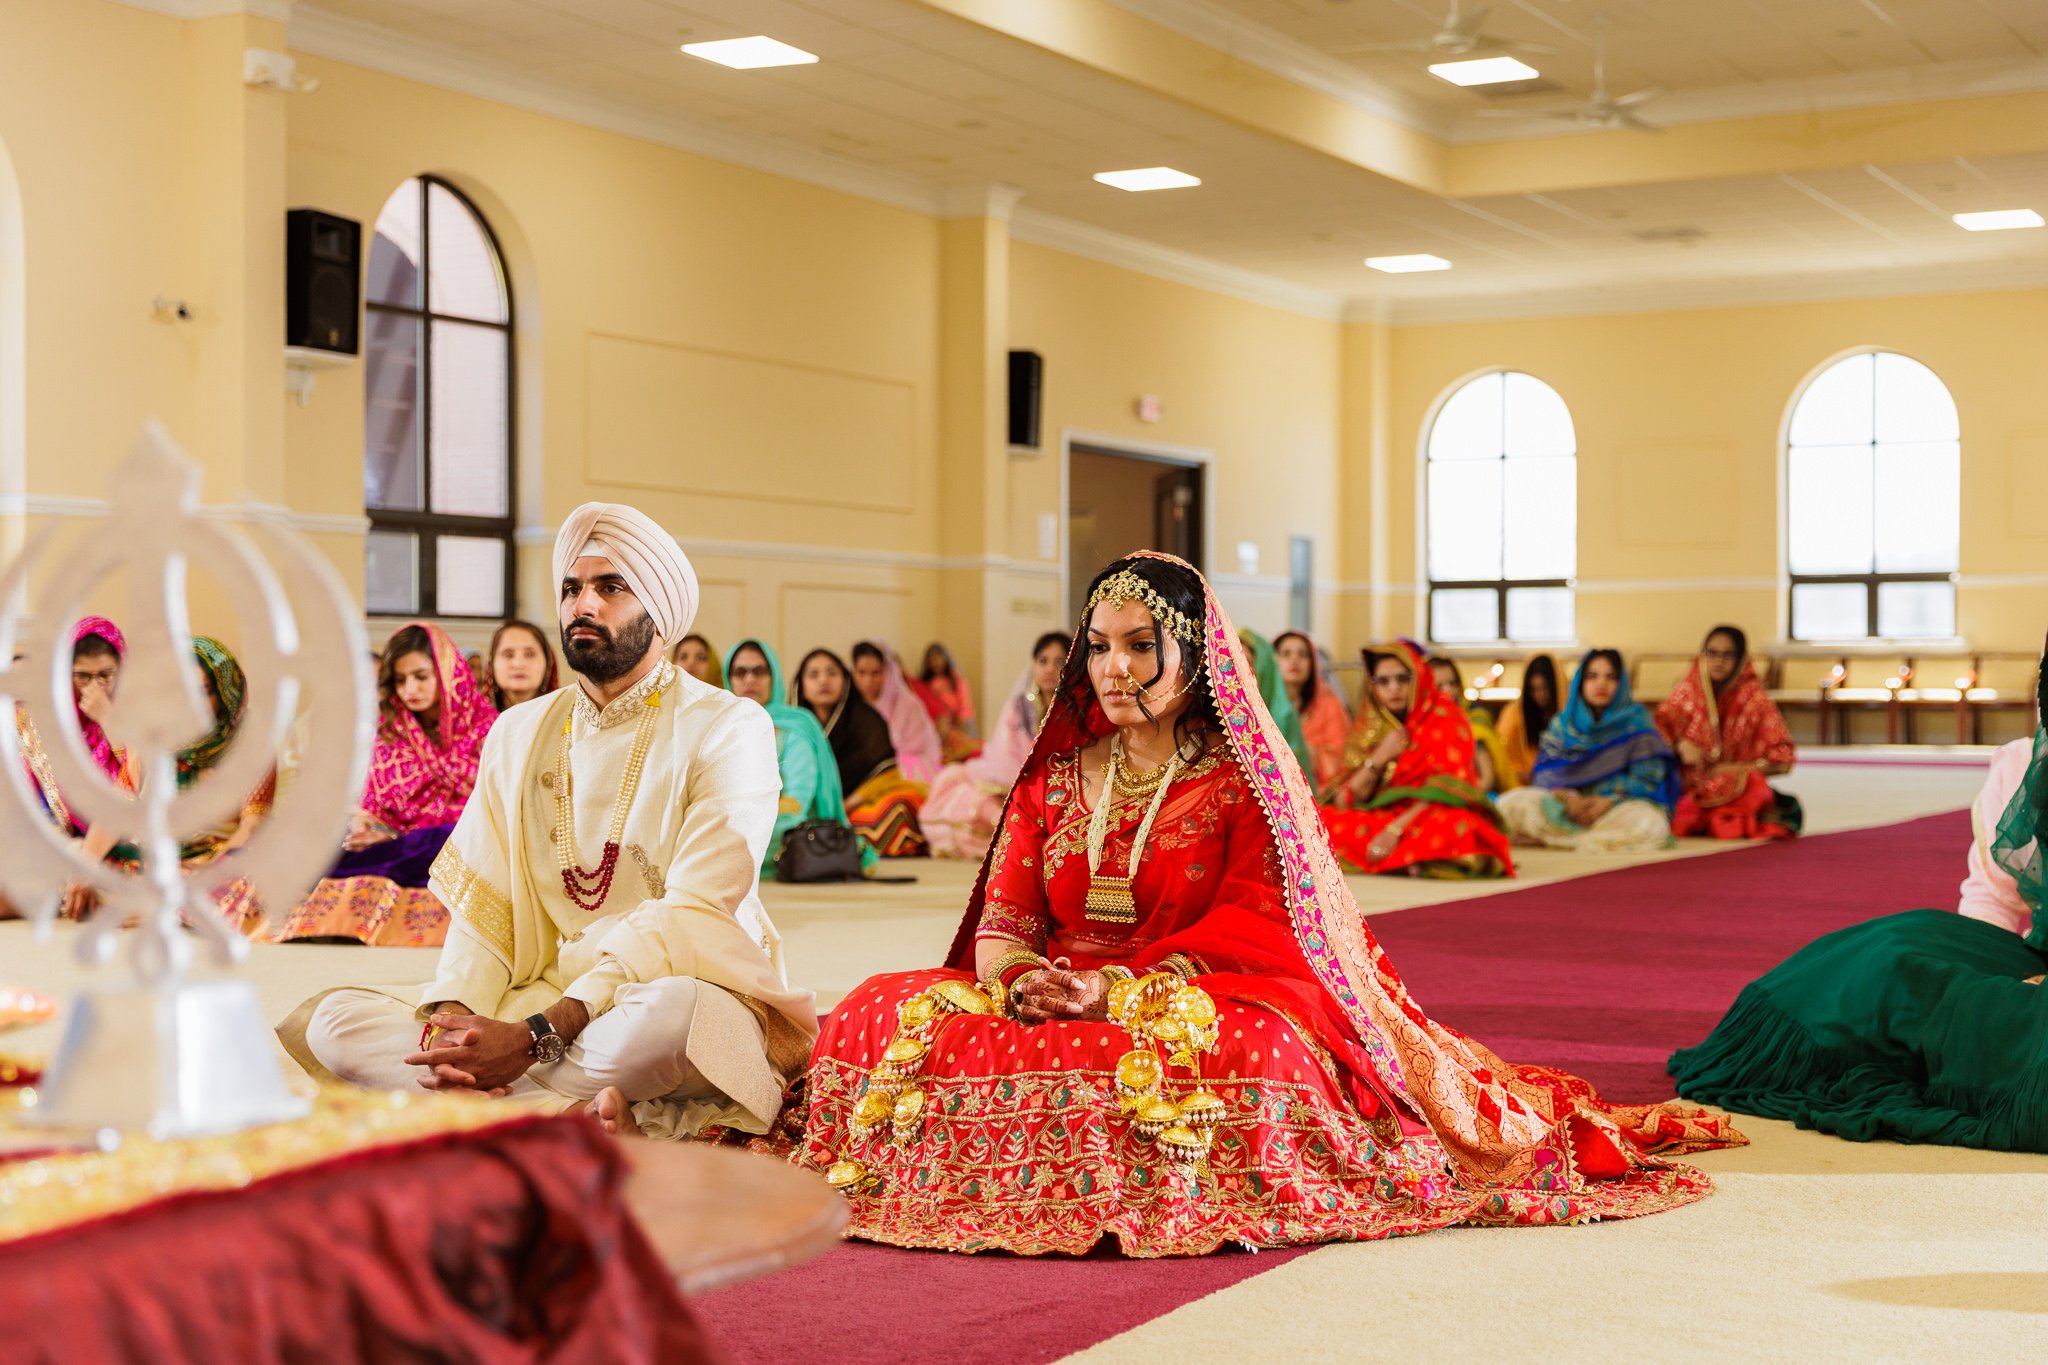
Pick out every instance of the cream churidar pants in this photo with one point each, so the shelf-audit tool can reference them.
(637, 1045)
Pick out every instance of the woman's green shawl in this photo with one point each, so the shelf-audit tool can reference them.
(810, 775)
(1266, 668)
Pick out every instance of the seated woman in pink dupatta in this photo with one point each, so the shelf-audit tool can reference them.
(432, 719)
(1325, 723)
(1164, 1022)
(959, 817)
(1729, 736)
(878, 673)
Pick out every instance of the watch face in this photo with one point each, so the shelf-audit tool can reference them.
(549, 1048)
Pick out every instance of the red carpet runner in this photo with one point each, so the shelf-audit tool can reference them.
(1601, 975)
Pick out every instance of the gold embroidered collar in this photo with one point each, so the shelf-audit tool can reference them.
(628, 704)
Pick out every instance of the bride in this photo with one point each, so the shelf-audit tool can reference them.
(1163, 1019)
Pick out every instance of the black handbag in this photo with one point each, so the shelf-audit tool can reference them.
(819, 851)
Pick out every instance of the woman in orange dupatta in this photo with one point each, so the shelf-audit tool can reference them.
(1523, 721)
(1325, 723)
(1408, 796)
(1729, 736)
(1164, 1021)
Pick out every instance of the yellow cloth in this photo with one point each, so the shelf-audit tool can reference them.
(52, 1192)
(646, 556)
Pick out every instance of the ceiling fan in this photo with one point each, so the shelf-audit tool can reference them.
(1602, 110)
(1463, 35)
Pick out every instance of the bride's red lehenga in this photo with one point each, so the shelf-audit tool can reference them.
(1349, 1113)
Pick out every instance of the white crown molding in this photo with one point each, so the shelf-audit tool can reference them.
(320, 34)
(1215, 26)
(317, 33)
(279, 11)
(1149, 258)
(1679, 295)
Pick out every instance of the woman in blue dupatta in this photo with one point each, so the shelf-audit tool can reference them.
(1605, 779)
(810, 775)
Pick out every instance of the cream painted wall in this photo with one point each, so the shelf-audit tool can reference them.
(1679, 417)
(1255, 386)
(759, 363)
(751, 360)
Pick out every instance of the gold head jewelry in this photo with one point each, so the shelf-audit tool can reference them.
(1124, 587)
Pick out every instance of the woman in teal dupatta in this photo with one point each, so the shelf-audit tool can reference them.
(1605, 780)
(810, 775)
(1273, 691)
(1926, 1026)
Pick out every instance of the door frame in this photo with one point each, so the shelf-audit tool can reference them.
(1131, 448)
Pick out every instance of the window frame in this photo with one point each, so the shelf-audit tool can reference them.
(1500, 587)
(1873, 581)
(425, 525)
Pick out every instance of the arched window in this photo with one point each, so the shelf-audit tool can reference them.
(437, 410)
(1873, 485)
(1503, 513)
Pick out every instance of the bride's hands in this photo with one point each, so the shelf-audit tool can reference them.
(1050, 993)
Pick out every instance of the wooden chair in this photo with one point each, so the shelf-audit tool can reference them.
(1934, 685)
(1861, 684)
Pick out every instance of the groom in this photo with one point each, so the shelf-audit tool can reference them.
(606, 944)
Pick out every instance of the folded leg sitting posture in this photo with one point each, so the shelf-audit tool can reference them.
(606, 929)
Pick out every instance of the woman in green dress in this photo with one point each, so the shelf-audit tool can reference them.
(810, 775)
(1927, 1026)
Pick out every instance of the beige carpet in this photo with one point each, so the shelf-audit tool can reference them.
(1811, 1248)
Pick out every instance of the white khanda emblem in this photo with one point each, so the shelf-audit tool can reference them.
(169, 1052)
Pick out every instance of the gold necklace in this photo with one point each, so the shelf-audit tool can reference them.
(588, 890)
(1109, 897)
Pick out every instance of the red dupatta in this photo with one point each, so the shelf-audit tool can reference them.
(1440, 742)
(417, 781)
(1513, 1132)
(1741, 725)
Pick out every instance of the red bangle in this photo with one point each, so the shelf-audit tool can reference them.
(1017, 973)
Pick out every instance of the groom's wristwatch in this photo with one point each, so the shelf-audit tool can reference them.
(548, 1045)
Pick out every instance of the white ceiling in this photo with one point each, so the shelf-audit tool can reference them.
(1695, 47)
(918, 98)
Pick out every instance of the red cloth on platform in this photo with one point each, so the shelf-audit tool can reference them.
(509, 1244)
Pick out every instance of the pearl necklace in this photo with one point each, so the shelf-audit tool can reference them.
(588, 890)
(1109, 897)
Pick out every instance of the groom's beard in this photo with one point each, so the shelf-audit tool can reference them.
(611, 656)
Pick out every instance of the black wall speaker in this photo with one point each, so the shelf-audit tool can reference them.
(323, 273)
(1027, 390)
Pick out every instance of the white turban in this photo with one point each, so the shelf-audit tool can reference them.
(647, 557)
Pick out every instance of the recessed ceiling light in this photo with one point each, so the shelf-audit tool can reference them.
(1998, 219)
(1149, 178)
(1407, 265)
(1484, 71)
(747, 54)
